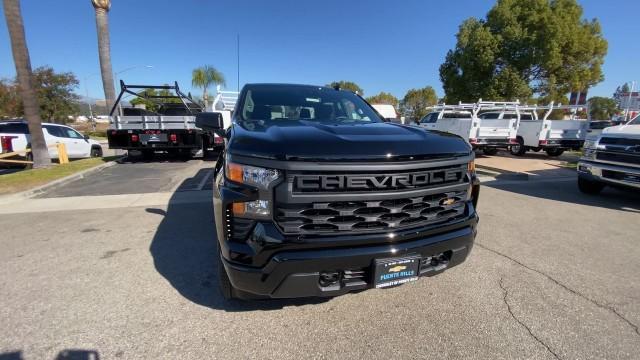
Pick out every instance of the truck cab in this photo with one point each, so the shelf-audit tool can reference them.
(611, 159)
(316, 195)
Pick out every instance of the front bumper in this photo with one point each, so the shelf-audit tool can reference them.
(292, 274)
(609, 173)
(260, 259)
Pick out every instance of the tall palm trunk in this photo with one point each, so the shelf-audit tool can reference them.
(25, 82)
(205, 97)
(104, 50)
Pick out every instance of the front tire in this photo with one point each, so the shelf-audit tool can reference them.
(490, 151)
(227, 290)
(589, 186)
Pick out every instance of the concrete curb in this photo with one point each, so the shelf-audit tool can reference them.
(53, 184)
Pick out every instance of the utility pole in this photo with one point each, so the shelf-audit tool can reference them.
(633, 85)
(238, 66)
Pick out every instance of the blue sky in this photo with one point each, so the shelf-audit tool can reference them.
(381, 45)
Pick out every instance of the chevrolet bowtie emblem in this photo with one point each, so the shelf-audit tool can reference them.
(397, 268)
(448, 201)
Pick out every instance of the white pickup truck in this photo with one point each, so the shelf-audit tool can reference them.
(612, 158)
(14, 137)
(552, 136)
(485, 125)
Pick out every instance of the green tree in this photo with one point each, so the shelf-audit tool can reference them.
(54, 93)
(347, 85)
(602, 108)
(524, 47)
(383, 98)
(10, 102)
(13, 16)
(143, 100)
(204, 77)
(101, 8)
(415, 102)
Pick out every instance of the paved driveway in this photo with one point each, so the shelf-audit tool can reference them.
(553, 274)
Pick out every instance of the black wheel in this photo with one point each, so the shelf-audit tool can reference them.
(554, 152)
(226, 289)
(489, 151)
(147, 155)
(186, 154)
(518, 150)
(589, 186)
(96, 152)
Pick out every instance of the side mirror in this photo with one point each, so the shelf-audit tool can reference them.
(209, 121)
(86, 137)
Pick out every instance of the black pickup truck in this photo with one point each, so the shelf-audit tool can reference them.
(316, 195)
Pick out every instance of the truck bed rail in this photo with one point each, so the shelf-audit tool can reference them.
(153, 123)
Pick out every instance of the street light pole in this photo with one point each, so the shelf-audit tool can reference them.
(115, 75)
(86, 90)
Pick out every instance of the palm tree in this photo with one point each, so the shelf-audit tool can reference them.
(204, 77)
(101, 8)
(39, 152)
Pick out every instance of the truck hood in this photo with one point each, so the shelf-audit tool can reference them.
(632, 131)
(307, 140)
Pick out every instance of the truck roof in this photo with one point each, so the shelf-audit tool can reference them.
(285, 85)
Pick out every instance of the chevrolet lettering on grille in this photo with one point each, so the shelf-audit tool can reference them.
(305, 183)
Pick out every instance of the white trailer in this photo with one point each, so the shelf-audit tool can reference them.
(552, 136)
(486, 125)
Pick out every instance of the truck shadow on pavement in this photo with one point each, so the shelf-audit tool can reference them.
(544, 184)
(184, 253)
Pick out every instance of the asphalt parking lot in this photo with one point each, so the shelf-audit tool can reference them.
(121, 264)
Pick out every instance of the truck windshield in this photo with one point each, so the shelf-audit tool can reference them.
(277, 105)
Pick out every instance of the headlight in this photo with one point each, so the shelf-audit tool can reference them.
(590, 143)
(252, 175)
(589, 148)
(263, 179)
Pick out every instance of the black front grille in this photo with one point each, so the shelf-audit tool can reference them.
(628, 158)
(619, 141)
(366, 216)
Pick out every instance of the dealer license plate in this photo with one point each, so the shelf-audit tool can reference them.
(396, 271)
(151, 138)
